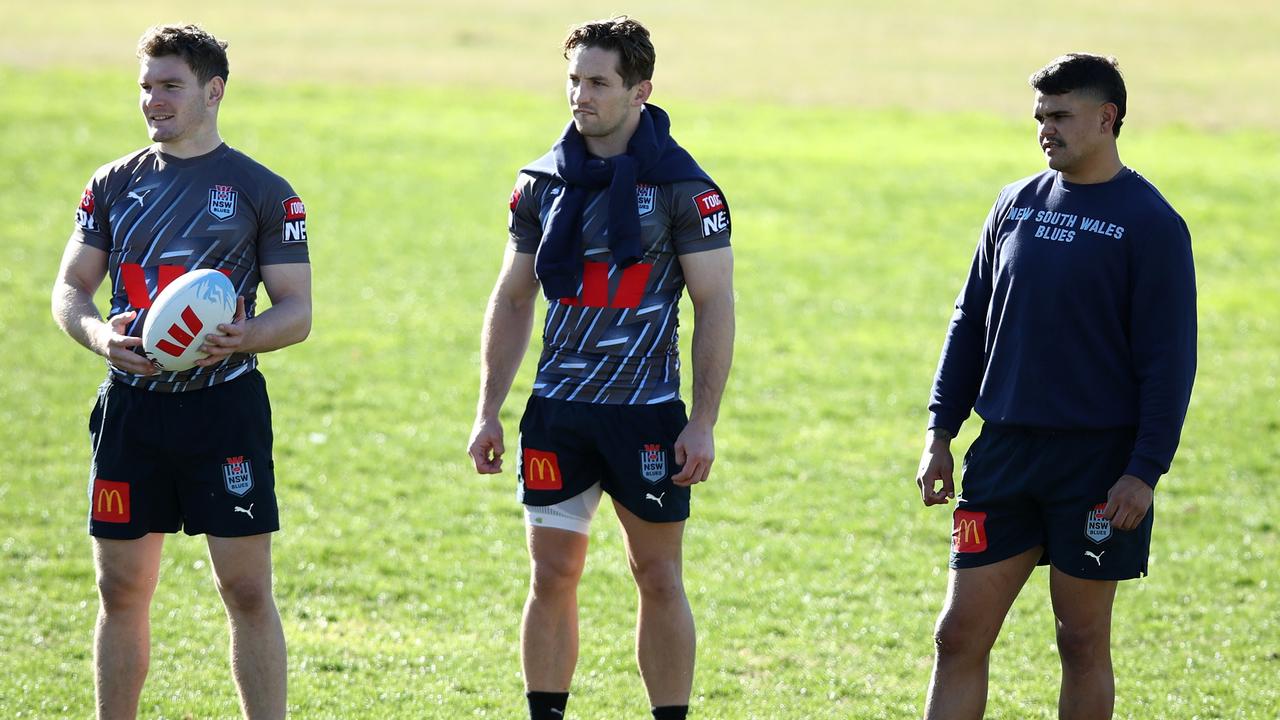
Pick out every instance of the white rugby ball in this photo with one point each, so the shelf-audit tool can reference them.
(182, 314)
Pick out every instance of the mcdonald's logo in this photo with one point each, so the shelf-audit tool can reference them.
(969, 534)
(542, 470)
(110, 501)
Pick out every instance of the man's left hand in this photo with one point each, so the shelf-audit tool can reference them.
(695, 450)
(1128, 502)
(227, 341)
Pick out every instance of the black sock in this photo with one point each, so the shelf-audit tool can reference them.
(671, 712)
(547, 705)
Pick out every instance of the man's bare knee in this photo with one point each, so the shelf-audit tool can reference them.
(121, 593)
(1083, 646)
(245, 594)
(955, 639)
(658, 580)
(556, 575)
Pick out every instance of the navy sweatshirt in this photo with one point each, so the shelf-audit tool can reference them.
(1079, 312)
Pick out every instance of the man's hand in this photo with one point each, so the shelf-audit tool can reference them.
(486, 446)
(112, 343)
(936, 464)
(1128, 502)
(695, 450)
(227, 341)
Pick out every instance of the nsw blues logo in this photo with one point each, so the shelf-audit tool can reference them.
(646, 198)
(222, 201)
(653, 463)
(237, 476)
(1096, 527)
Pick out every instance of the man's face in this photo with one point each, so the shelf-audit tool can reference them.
(174, 103)
(599, 99)
(1073, 128)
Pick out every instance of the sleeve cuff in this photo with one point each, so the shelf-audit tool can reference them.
(950, 424)
(1145, 470)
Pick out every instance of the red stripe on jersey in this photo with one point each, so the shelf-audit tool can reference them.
(168, 273)
(135, 285)
(631, 286)
(595, 284)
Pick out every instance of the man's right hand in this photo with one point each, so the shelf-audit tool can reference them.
(936, 464)
(486, 446)
(113, 344)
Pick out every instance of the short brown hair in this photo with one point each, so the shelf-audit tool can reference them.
(623, 34)
(1095, 74)
(205, 54)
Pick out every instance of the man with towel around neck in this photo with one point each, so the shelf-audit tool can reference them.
(613, 223)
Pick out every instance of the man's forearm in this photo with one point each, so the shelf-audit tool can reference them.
(75, 312)
(503, 341)
(713, 334)
(285, 323)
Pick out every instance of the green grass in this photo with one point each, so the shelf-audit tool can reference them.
(814, 573)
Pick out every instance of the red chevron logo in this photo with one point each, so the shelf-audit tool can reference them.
(181, 336)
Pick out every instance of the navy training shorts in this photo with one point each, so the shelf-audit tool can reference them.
(197, 461)
(566, 447)
(1027, 487)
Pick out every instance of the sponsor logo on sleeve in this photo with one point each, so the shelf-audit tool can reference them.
(541, 470)
(110, 501)
(646, 198)
(295, 221)
(222, 201)
(515, 199)
(712, 210)
(653, 463)
(237, 475)
(84, 213)
(1096, 527)
(969, 532)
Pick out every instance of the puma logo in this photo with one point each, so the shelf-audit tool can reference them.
(248, 512)
(658, 499)
(1097, 558)
(138, 197)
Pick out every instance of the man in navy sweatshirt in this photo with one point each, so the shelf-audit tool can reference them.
(1074, 338)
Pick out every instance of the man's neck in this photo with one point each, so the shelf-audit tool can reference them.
(1101, 169)
(193, 147)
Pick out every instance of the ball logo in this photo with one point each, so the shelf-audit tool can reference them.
(969, 532)
(541, 470)
(222, 201)
(713, 211)
(110, 501)
(653, 463)
(237, 476)
(295, 221)
(180, 337)
(1096, 527)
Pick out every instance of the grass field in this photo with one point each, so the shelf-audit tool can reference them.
(814, 573)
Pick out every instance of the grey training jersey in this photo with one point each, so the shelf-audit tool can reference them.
(159, 216)
(617, 342)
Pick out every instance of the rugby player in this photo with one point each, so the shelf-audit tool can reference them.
(187, 450)
(613, 224)
(1074, 338)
